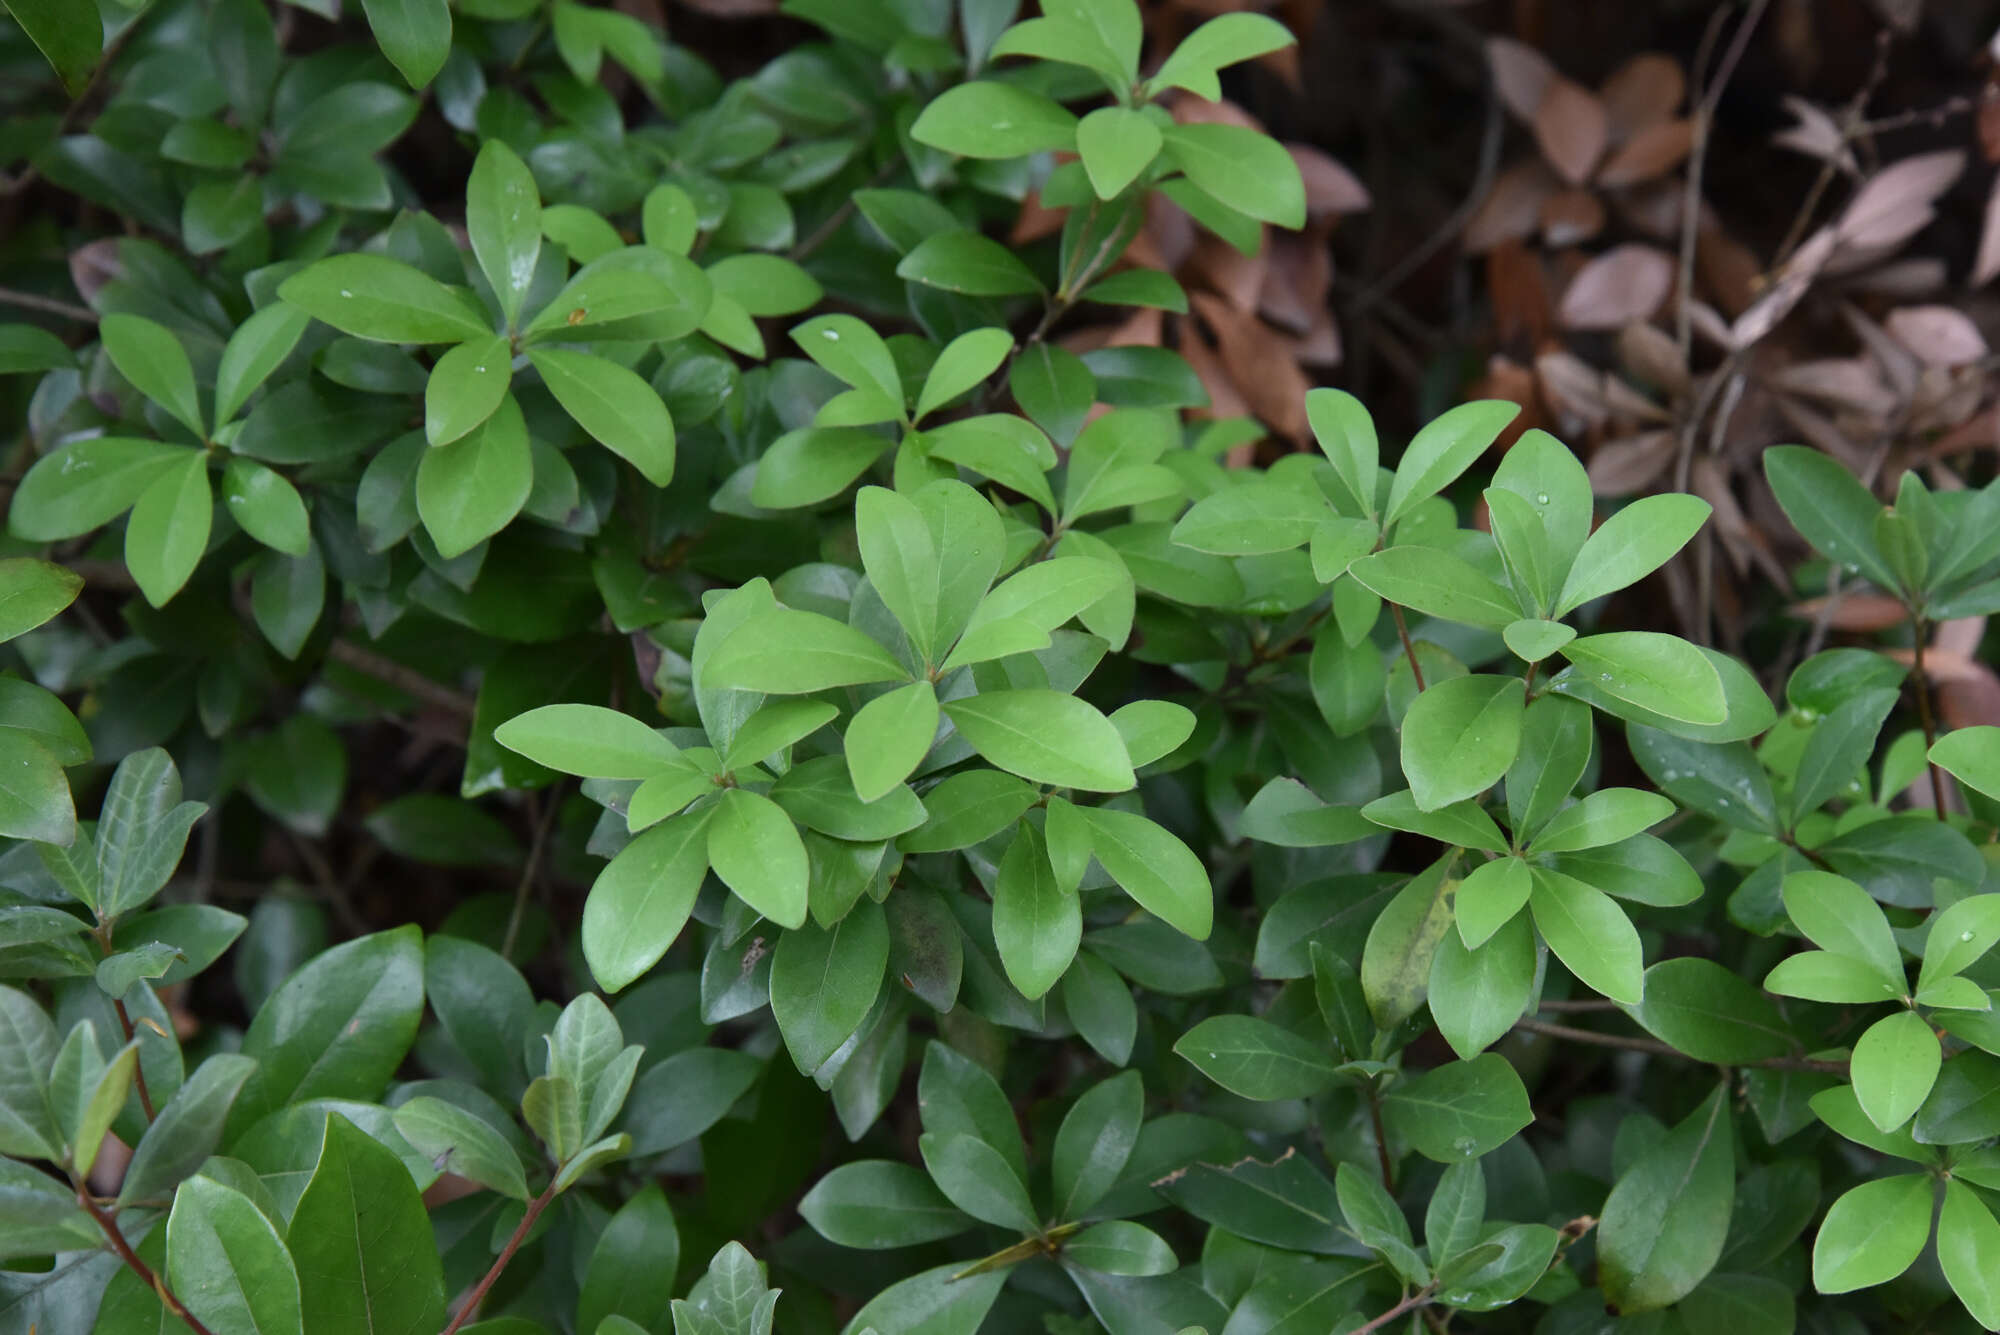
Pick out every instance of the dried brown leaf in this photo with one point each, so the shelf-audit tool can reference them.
(1641, 93)
(1297, 276)
(1790, 288)
(1653, 151)
(1571, 216)
(94, 264)
(1894, 203)
(1260, 363)
(1988, 263)
(1727, 269)
(1628, 465)
(1817, 135)
(1331, 189)
(1937, 335)
(1512, 208)
(1898, 364)
(1521, 75)
(1651, 355)
(1852, 383)
(1908, 279)
(1517, 285)
(1221, 267)
(1862, 612)
(1652, 208)
(1574, 388)
(1624, 284)
(1571, 128)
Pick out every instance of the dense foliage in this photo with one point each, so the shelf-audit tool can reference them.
(1038, 877)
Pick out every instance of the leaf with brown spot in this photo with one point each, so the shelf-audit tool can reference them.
(1624, 284)
(1571, 128)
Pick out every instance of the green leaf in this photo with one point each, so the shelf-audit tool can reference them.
(1442, 450)
(1476, 994)
(69, 38)
(1285, 1203)
(150, 356)
(994, 120)
(1460, 1110)
(458, 1142)
(465, 387)
(188, 1128)
(1725, 781)
(1534, 640)
(1837, 915)
(1665, 1221)
(473, 487)
(1821, 975)
(1607, 816)
(169, 528)
(591, 741)
(1252, 172)
(1959, 935)
(824, 981)
(1037, 924)
(1590, 934)
(27, 348)
(1000, 446)
(1972, 756)
(1459, 737)
(1436, 583)
(1662, 674)
(31, 592)
(266, 506)
(787, 651)
(227, 1263)
(85, 485)
(620, 410)
(1968, 1246)
(1872, 1233)
(337, 1028)
(414, 34)
(642, 898)
(1286, 813)
(888, 738)
(1094, 1143)
(764, 285)
(902, 562)
(375, 297)
(963, 365)
(503, 219)
(34, 796)
(968, 263)
(1250, 519)
(937, 1301)
(1045, 737)
(878, 1203)
(1630, 545)
(1711, 1013)
(854, 352)
(1838, 749)
(978, 1179)
(1120, 1247)
(956, 1097)
(1256, 1059)
(1155, 868)
(1490, 897)
(1829, 508)
(1117, 144)
(386, 1276)
(756, 851)
(631, 1271)
(810, 465)
(1895, 1064)
(1225, 40)
(141, 831)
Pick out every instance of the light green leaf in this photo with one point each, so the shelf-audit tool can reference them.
(1895, 1064)
(1037, 922)
(1459, 737)
(1250, 519)
(1436, 583)
(824, 981)
(1045, 737)
(1476, 995)
(1630, 545)
(1664, 1224)
(1442, 450)
(1117, 144)
(151, 357)
(590, 741)
(1490, 896)
(266, 506)
(788, 651)
(503, 219)
(68, 36)
(638, 294)
(968, 263)
(1155, 868)
(375, 297)
(1590, 934)
(465, 387)
(414, 34)
(169, 528)
(33, 591)
(473, 487)
(1224, 40)
(642, 898)
(1872, 1233)
(994, 120)
(1972, 756)
(963, 365)
(1959, 935)
(1603, 817)
(756, 851)
(1837, 915)
(880, 1203)
(1662, 674)
(1460, 1110)
(1829, 508)
(1252, 172)
(228, 1265)
(1968, 1246)
(458, 1142)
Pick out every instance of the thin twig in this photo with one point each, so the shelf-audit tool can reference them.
(405, 679)
(156, 1282)
(1418, 1299)
(32, 301)
(1921, 684)
(823, 233)
(138, 1067)
(1654, 1047)
(1409, 650)
(528, 1218)
(1587, 1004)
(1387, 1165)
(1704, 120)
(543, 821)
